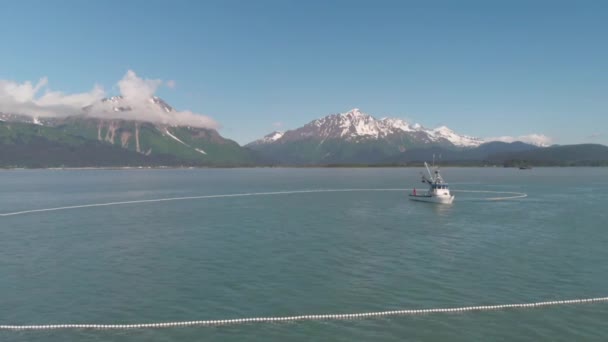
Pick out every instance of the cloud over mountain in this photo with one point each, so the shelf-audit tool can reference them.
(137, 102)
(23, 98)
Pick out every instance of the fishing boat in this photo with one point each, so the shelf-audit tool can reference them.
(438, 192)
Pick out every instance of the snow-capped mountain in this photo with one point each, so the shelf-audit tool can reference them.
(458, 140)
(118, 104)
(355, 137)
(269, 138)
(115, 107)
(356, 126)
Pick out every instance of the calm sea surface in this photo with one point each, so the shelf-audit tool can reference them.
(297, 254)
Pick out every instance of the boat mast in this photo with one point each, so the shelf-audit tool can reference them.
(429, 170)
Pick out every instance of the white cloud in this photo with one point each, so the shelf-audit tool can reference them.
(21, 93)
(277, 124)
(137, 93)
(534, 139)
(171, 84)
(23, 98)
(57, 98)
(134, 88)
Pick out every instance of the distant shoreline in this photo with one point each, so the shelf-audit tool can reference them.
(117, 168)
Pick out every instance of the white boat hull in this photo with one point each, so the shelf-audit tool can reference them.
(433, 199)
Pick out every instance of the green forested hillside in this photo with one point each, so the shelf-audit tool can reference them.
(77, 142)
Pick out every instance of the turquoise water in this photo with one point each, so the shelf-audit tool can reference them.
(298, 254)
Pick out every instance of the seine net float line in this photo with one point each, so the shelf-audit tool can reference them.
(512, 195)
(323, 317)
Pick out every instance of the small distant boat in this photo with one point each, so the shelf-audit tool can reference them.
(525, 167)
(438, 192)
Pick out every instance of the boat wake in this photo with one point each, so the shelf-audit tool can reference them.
(510, 196)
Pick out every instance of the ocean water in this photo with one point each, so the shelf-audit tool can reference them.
(305, 253)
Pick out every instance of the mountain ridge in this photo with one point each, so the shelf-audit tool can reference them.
(351, 138)
(356, 137)
(356, 126)
(162, 139)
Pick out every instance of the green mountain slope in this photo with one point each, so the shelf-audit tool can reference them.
(89, 142)
(33, 146)
(82, 141)
(315, 151)
(199, 146)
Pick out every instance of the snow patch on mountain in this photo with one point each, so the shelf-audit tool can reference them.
(357, 126)
(269, 138)
(23, 119)
(354, 125)
(400, 124)
(275, 136)
(166, 131)
(456, 139)
(175, 138)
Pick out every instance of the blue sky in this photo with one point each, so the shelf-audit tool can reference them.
(483, 68)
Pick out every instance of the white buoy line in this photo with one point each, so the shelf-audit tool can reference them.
(511, 195)
(325, 317)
